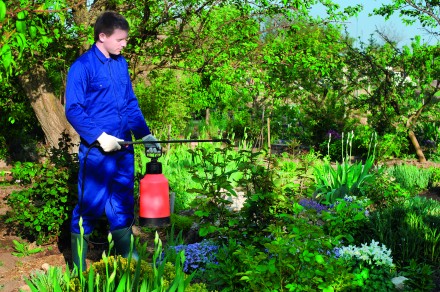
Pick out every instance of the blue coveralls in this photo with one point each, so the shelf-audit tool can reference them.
(100, 98)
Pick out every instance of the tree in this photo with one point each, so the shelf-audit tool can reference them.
(397, 87)
(426, 12)
(216, 44)
(305, 69)
(418, 62)
(34, 39)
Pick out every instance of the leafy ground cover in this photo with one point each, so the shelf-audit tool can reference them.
(19, 259)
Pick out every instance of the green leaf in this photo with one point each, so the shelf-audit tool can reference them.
(6, 56)
(20, 25)
(32, 31)
(122, 284)
(2, 10)
(207, 230)
(319, 259)
(22, 14)
(31, 286)
(91, 279)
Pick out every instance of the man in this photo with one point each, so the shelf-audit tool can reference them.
(102, 107)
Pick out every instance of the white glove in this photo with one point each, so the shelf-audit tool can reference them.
(109, 143)
(150, 144)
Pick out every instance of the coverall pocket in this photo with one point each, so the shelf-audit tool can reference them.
(99, 84)
(124, 78)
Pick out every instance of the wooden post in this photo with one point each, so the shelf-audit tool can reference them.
(268, 135)
(169, 137)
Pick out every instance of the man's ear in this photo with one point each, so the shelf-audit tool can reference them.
(102, 37)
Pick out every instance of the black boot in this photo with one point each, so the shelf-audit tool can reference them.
(122, 239)
(78, 242)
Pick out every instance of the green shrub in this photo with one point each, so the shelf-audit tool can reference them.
(435, 177)
(218, 172)
(287, 174)
(290, 257)
(182, 222)
(383, 190)
(371, 265)
(392, 145)
(347, 218)
(420, 277)
(175, 165)
(410, 229)
(39, 211)
(411, 177)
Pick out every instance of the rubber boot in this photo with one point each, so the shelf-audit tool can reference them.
(122, 239)
(79, 259)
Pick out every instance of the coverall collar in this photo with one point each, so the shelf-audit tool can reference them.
(101, 57)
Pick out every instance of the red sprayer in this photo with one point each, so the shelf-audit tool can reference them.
(154, 199)
(154, 207)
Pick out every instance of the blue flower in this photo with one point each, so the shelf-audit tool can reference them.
(198, 255)
(337, 252)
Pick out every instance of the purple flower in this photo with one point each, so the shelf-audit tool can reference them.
(334, 134)
(312, 204)
(429, 143)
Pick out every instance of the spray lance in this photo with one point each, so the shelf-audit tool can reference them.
(154, 200)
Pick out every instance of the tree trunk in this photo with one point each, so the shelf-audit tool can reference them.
(86, 18)
(47, 107)
(417, 147)
(207, 116)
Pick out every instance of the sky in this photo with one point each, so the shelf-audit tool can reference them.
(363, 26)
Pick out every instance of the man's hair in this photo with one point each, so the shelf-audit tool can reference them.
(107, 22)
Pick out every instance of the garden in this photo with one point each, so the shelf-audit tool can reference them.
(330, 181)
(250, 220)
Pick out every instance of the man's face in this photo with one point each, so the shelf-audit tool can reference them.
(114, 43)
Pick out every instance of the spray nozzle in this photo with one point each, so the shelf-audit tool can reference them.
(154, 166)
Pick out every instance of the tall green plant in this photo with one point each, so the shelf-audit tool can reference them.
(52, 280)
(344, 179)
(120, 274)
(176, 165)
(216, 173)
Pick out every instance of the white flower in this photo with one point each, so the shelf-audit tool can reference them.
(371, 254)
